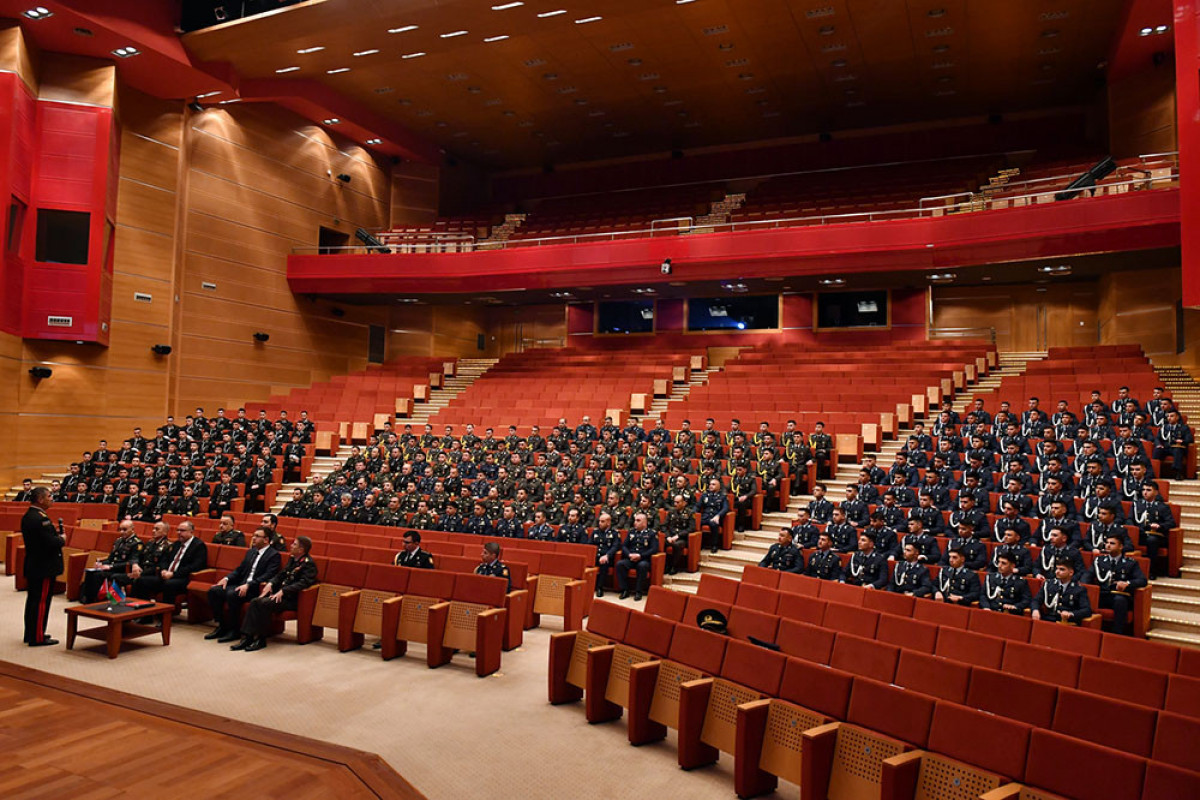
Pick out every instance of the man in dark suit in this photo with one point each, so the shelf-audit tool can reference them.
(172, 573)
(43, 563)
(282, 593)
(225, 597)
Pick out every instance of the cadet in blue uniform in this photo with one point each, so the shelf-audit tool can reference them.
(911, 577)
(1004, 590)
(1118, 577)
(1061, 598)
(413, 555)
(712, 506)
(491, 565)
(956, 583)
(825, 563)
(783, 555)
(639, 546)
(868, 567)
(607, 541)
(1153, 516)
(843, 534)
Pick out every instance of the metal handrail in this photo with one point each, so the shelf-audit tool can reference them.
(973, 204)
(963, 333)
(691, 222)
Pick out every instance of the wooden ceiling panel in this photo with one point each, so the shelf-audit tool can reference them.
(653, 74)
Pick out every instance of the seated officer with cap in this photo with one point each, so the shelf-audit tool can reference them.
(1062, 599)
(956, 583)
(783, 555)
(1005, 590)
(491, 565)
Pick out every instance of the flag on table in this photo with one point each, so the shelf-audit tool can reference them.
(116, 592)
(102, 595)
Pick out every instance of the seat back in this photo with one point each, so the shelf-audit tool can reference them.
(649, 633)
(865, 657)
(986, 741)
(1067, 638)
(624, 657)
(1103, 720)
(911, 634)
(1078, 769)
(749, 673)
(851, 618)
(760, 576)
(947, 615)
(841, 593)
(1140, 653)
(970, 648)
(1145, 687)
(715, 587)
(746, 622)
(1042, 663)
(694, 654)
(425, 587)
(1014, 696)
(890, 603)
(1006, 626)
(804, 608)
(697, 604)
(810, 642)
(783, 740)
(666, 603)
(758, 598)
(1183, 695)
(933, 675)
(821, 689)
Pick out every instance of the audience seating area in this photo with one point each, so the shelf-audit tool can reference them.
(618, 212)
(540, 387)
(443, 235)
(876, 694)
(868, 392)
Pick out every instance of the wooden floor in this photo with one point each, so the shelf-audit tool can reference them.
(61, 738)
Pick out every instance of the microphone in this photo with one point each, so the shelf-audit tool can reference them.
(60, 528)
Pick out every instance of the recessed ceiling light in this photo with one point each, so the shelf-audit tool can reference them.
(407, 300)
(412, 55)
(586, 20)
(506, 6)
(374, 141)
(561, 294)
(646, 290)
(557, 13)
(825, 30)
(832, 281)
(305, 51)
(936, 12)
(451, 34)
(286, 69)
(336, 71)
(1162, 29)
(683, 2)
(208, 94)
(126, 52)
(362, 53)
(500, 38)
(402, 29)
(41, 12)
(942, 277)
(332, 121)
(384, 90)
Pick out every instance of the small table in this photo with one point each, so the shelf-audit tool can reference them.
(120, 625)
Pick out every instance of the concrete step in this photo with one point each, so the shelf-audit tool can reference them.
(1177, 622)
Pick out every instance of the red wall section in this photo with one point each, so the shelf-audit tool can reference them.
(1187, 93)
(75, 170)
(17, 126)
(1117, 223)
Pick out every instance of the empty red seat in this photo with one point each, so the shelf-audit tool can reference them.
(759, 598)
(866, 657)
(1067, 638)
(649, 633)
(1014, 696)
(891, 711)
(933, 675)
(1183, 695)
(666, 603)
(1103, 720)
(988, 741)
(1175, 740)
(1042, 663)
(1143, 686)
(1140, 653)
(802, 608)
(1078, 769)
(851, 619)
(817, 687)
(911, 634)
(970, 648)
(810, 642)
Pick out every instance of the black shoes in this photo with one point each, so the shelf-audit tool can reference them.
(715, 550)
(232, 636)
(600, 591)
(44, 643)
(624, 595)
(215, 634)
(637, 597)
(243, 644)
(257, 644)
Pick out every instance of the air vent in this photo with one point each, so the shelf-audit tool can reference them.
(1049, 16)
(143, 297)
(60, 322)
(737, 62)
(716, 30)
(617, 48)
(936, 32)
(818, 13)
(456, 76)
(535, 62)
(212, 287)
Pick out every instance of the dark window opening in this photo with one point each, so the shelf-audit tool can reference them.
(852, 309)
(733, 313)
(329, 240)
(625, 316)
(63, 237)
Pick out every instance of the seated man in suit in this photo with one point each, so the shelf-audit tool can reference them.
(172, 573)
(956, 583)
(411, 556)
(639, 546)
(1062, 599)
(1005, 590)
(282, 593)
(226, 596)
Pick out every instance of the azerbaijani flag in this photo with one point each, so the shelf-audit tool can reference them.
(111, 592)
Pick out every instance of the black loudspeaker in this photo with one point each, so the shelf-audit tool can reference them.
(161, 349)
(480, 342)
(261, 337)
(40, 372)
(1097, 173)
(825, 137)
(364, 236)
(995, 119)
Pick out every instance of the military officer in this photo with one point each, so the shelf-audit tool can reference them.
(1062, 599)
(1118, 577)
(636, 551)
(1005, 590)
(491, 565)
(911, 577)
(413, 555)
(825, 563)
(868, 566)
(957, 584)
(783, 555)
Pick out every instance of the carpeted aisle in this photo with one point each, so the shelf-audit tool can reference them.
(447, 732)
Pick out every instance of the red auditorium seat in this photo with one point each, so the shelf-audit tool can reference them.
(1073, 768)
(1105, 721)
(1143, 686)
(1025, 699)
(970, 648)
(1183, 695)
(851, 619)
(606, 623)
(804, 640)
(1175, 739)
(933, 675)
(665, 603)
(654, 686)
(759, 598)
(1043, 663)
(802, 608)
(865, 657)
(908, 633)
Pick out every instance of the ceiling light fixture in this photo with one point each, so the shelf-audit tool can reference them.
(41, 12)
(208, 94)
(412, 55)
(305, 51)
(586, 20)
(332, 121)
(491, 39)
(126, 52)
(336, 71)
(451, 34)
(942, 277)
(362, 53)
(374, 141)
(403, 29)
(547, 14)
(832, 281)
(286, 69)
(506, 6)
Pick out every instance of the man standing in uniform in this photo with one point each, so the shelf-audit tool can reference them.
(43, 563)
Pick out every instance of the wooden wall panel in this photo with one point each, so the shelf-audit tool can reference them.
(1138, 306)
(1024, 317)
(1141, 113)
(414, 193)
(77, 79)
(17, 54)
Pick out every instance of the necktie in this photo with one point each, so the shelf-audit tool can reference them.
(179, 556)
(254, 566)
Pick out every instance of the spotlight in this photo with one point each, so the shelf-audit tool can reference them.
(40, 372)
(161, 349)
(343, 177)
(666, 266)
(219, 14)
(261, 337)
(195, 106)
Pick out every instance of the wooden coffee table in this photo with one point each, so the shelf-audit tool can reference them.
(119, 624)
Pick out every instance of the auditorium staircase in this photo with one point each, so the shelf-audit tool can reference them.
(1175, 612)
(501, 233)
(679, 391)
(719, 213)
(751, 546)
(467, 371)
